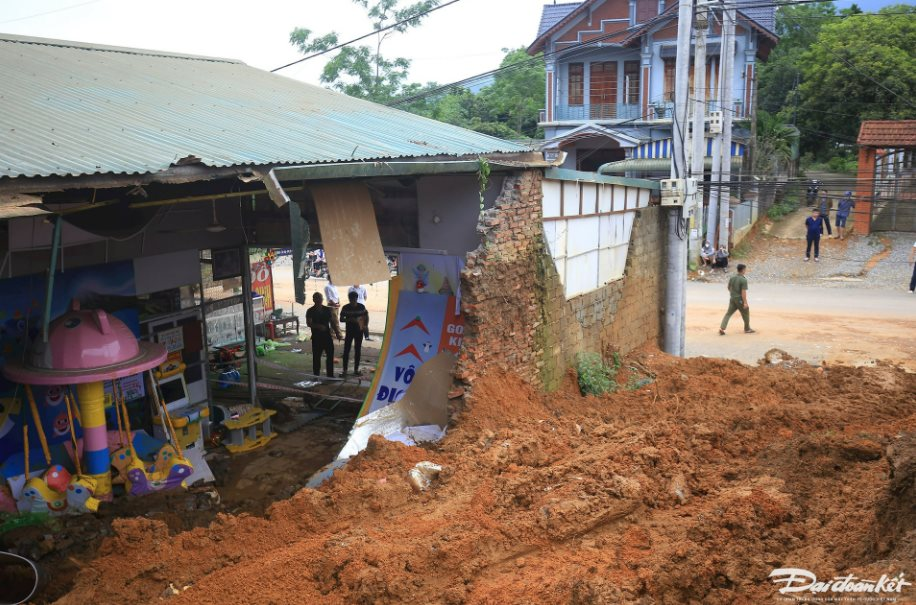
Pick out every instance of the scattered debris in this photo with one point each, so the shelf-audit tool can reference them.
(423, 474)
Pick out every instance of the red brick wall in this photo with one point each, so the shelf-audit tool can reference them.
(516, 316)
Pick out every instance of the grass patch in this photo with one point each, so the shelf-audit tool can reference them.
(742, 250)
(595, 376)
(781, 209)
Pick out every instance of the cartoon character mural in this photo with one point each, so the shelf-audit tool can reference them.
(21, 308)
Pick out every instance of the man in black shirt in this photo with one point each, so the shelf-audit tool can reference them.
(354, 315)
(318, 318)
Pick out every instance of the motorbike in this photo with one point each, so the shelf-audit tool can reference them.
(814, 187)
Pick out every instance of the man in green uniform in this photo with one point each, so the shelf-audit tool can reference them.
(737, 301)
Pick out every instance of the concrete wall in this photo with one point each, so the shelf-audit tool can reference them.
(517, 318)
(455, 201)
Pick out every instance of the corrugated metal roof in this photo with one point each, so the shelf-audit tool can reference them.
(68, 108)
(553, 14)
(888, 133)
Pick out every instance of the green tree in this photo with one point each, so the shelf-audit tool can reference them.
(864, 67)
(507, 108)
(773, 150)
(517, 94)
(362, 71)
(797, 27)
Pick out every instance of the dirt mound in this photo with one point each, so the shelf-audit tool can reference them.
(689, 489)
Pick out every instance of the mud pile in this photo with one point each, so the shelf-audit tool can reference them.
(690, 489)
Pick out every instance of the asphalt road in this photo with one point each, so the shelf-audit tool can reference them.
(850, 325)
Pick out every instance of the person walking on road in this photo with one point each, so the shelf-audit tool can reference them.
(825, 212)
(842, 213)
(913, 262)
(737, 301)
(815, 229)
(318, 318)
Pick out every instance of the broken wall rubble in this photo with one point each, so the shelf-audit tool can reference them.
(517, 318)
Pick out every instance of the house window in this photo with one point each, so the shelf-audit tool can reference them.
(646, 10)
(661, 6)
(576, 83)
(669, 79)
(631, 81)
(603, 90)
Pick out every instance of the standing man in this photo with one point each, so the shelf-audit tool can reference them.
(825, 213)
(737, 301)
(354, 316)
(333, 298)
(913, 262)
(842, 213)
(815, 229)
(361, 297)
(318, 318)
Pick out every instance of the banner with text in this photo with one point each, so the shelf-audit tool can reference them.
(423, 319)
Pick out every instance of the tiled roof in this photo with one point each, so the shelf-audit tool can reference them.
(553, 14)
(888, 133)
(765, 16)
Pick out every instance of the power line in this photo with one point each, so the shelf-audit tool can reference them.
(567, 50)
(50, 12)
(370, 34)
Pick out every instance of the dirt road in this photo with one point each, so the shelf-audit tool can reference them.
(851, 325)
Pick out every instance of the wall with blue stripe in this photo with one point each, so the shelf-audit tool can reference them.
(662, 149)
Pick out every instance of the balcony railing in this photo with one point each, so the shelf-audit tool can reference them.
(603, 111)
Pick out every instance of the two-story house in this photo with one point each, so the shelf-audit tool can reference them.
(610, 79)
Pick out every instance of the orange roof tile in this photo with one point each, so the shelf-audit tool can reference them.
(888, 133)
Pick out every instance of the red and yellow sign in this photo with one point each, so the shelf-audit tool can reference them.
(262, 282)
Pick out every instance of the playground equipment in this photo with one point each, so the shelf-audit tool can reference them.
(248, 427)
(85, 348)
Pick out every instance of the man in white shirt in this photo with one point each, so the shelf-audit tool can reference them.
(361, 299)
(333, 297)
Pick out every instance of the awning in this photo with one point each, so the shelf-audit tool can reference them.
(656, 165)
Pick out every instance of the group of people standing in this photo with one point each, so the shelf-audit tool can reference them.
(820, 219)
(324, 322)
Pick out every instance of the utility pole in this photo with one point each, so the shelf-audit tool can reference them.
(728, 78)
(700, 23)
(676, 272)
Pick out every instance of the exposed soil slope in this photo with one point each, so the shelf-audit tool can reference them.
(689, 490)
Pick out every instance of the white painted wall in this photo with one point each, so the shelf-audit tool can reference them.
(587, 227)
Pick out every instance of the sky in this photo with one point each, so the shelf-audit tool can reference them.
(453, 43)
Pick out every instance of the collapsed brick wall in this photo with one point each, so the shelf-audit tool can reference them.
(517, 318)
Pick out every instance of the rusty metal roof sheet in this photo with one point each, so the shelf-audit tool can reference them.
(70, 109)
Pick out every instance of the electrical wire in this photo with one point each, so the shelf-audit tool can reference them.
(50, 12)
(363, 37)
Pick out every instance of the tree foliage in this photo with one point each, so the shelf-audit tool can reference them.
(775, 139)
(507, 108)
(825, 72)
(361, 70)
(863, 66)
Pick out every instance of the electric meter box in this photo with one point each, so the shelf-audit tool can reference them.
(715, 122)
(674, 192)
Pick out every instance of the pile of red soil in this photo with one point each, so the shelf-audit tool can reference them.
(688, 490)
